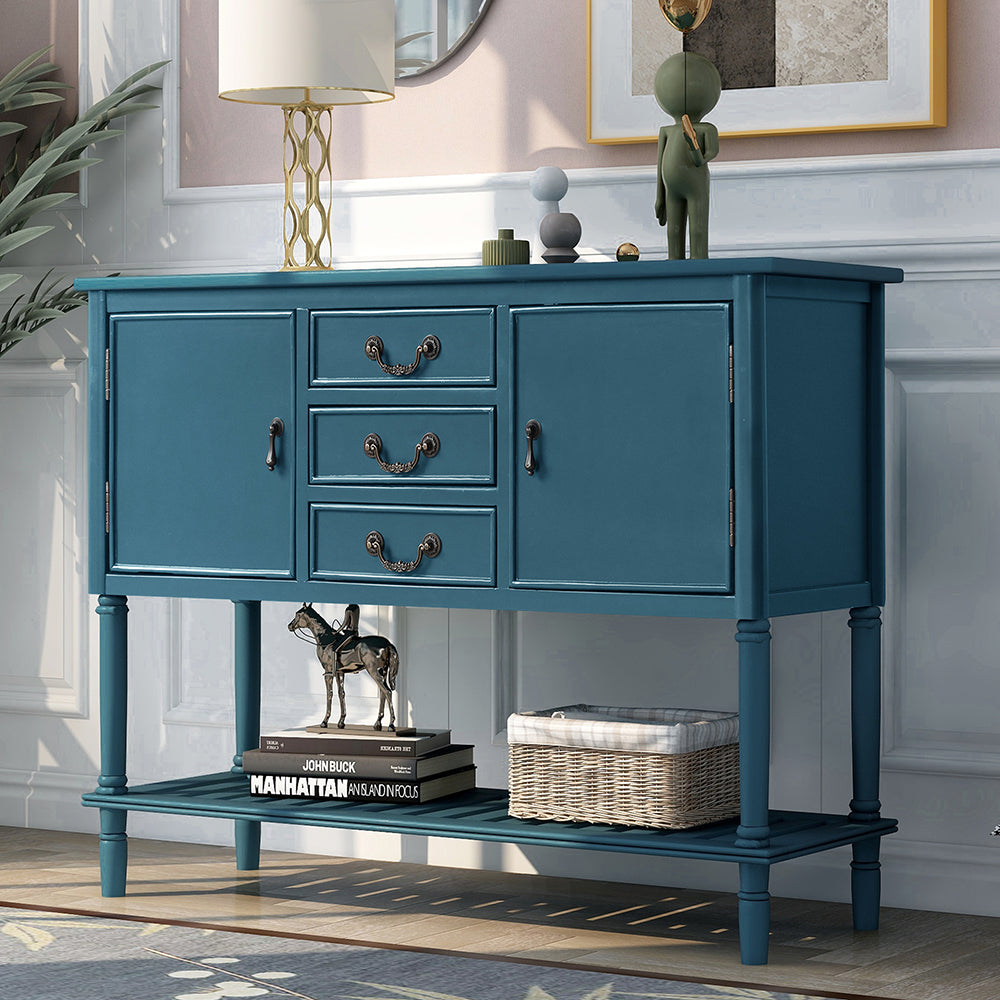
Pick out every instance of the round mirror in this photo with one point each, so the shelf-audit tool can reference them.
(429, 31)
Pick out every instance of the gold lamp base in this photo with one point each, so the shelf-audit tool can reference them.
(308, 241)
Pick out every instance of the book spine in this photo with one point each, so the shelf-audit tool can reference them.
(323, 765)
(347, 746)
(346, 789)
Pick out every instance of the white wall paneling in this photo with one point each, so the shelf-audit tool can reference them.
(43, 668)
(503, 673)
(197, 665)
(198, 668)
(933, 214)
(943, 645)
(47, 687)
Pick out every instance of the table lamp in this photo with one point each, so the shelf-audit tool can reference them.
(307, 56)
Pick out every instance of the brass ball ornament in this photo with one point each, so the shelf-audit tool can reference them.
(685, 15)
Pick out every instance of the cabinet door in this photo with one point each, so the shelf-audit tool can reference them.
(634, 456)
(192, 398)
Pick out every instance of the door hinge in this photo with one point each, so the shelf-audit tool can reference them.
(107, 373)
(732, 518)
(107, 507)
(732, 376)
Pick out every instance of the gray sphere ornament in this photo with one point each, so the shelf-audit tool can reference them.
(560, 232)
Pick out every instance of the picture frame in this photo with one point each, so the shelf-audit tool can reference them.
(625, 39)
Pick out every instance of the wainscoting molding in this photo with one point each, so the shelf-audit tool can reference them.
(197, 664)
(942, 488)
(40, 405)
(504, 672)
(197, 694)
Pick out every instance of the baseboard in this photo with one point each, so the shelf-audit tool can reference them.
(46, 800)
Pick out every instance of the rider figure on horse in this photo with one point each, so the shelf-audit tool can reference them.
(348, 631)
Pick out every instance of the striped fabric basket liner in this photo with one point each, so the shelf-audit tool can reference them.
(669, 768)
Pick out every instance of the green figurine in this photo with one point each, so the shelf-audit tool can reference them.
(687, 87)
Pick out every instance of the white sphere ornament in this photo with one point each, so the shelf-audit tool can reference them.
(549, 183)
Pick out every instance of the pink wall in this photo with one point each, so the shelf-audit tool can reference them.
(28, 27)
(515, 98)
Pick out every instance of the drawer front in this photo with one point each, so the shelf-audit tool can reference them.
(401, 347)
(389, 444)
(339, 548)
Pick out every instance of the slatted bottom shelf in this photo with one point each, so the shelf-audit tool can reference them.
(481, 814)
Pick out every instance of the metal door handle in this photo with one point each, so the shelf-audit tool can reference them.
(532, 430)
(430, 348)
(430, 547)
(276, 429)
(428, 445)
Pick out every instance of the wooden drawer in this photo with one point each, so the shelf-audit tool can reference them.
(459, 342)
(350, 444)
(339, 551)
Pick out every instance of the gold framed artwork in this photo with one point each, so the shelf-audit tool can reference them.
(787, 66)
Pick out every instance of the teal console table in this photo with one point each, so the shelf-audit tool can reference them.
(686, 438)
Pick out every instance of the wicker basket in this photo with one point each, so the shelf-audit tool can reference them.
(659, 767)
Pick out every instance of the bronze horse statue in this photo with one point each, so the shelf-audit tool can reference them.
(342, 651)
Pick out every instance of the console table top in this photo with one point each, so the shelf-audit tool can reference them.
(587, 271)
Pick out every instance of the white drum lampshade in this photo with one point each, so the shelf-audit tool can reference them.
(306, 56)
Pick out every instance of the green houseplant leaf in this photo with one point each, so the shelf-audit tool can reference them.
(28, 176)
(48, 300)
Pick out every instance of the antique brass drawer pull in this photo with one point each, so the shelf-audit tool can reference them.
(430, 547)
(429, 348)
(532, 429)
(276, 429)
(428, 445)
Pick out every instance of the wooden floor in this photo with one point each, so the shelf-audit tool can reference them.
(647, 930)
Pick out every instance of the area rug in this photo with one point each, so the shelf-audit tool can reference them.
(47, 955)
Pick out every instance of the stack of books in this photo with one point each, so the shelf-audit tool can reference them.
(358, 764)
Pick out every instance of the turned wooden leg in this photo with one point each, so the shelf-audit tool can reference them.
(754, 831)
(754, 639)
(247, 686)
(866, 709)
(113, 611)
(755, 913)
(866, 884)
